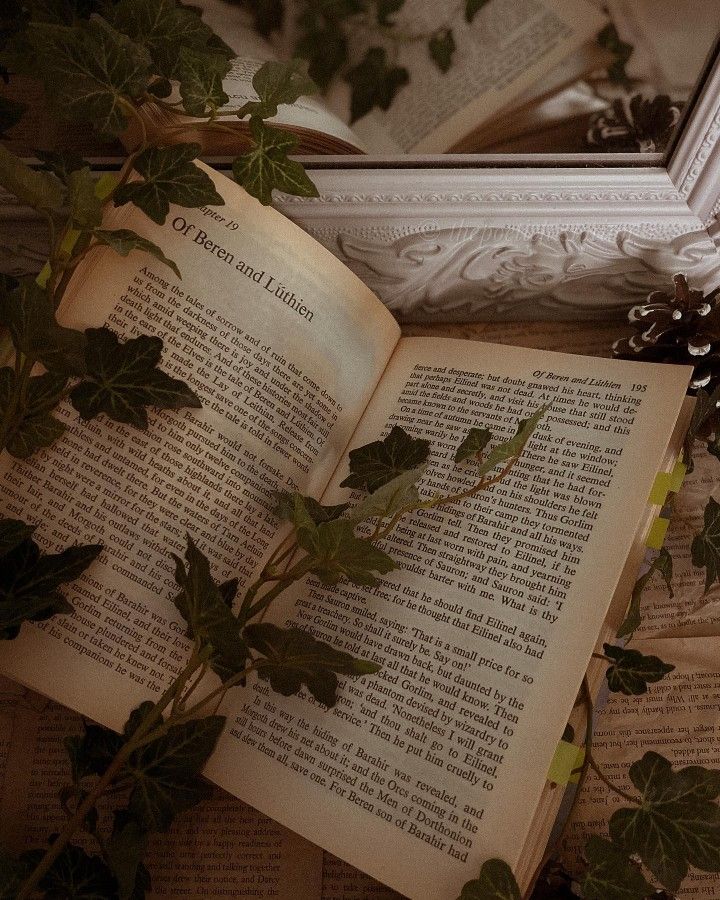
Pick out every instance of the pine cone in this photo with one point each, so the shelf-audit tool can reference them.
(638, 125)
(684, 328)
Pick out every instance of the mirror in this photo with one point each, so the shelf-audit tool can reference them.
(518, 77)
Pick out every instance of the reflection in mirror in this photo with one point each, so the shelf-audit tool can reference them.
(484, 76)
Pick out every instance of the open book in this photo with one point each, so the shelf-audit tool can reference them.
(514, 51)
(421, 772)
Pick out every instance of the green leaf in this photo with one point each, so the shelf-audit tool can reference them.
(89, 71)
(164, 29)
(92, 753)
(28, 313)
(705, 548)
(326, 50)
(76, 875)
(377, 463)
(704, 422)
(124, 241)
(676, 823)
(169, 176)
(611, 874)
(496, 882)
(267, 16)
(160, 88)
(631, 671)
(166, 772)
(29, 583)
(201, 81)
(85, 205)
(473, 7)
(336, 553)
(276, 83)
(32, 427)
(374, 83)
(291, 658)
(399, 495)
(208, 614)
(514, 447)
(387, 8)
(62, 164)
(124, 379)
(11, 112)
(12, 533)
(125, 851)
(662, 564)
(297, 509)
(12, 874)
(65, 352)
(442, 47)
(473, 445)
(38, 190)
(267, 166)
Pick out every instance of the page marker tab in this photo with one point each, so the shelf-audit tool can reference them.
(661, 486)
(567, 758)
(677, 476)
(656, 536)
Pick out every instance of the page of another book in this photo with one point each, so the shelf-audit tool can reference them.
(493, 617)
(283, 344)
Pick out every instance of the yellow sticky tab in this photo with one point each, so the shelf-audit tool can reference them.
(567, 758)
(677, 476)
(656, 537)
(660, 488)
(105, 185)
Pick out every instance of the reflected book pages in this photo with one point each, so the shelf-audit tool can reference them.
(484, 632)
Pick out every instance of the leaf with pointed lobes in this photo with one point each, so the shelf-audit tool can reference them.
(496, 882)
(335, 553)
(612, 874)
(298, 509)
(276, 83)
(397, 496)
(705, 548)
(473, 445)
(513, 448)
(631, 671)
(662, 564)
(379, 462)
(292, 658)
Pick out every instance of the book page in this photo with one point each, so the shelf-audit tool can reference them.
(341, 881)
(221, 849)
(492, 618)
(690, 610)
(678, 718)
(508, 48)
(284, 345)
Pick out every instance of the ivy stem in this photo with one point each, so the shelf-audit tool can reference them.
(636, 801)
(603, 658)
(295, 574)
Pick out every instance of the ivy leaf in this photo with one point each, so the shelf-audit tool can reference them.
(276, 83)
(267, 16)
(124, 241)
(387, 8)
(611, 874)
(496, 882)
(29, 583)
(92, 752)
(473, 7)
(705, 548)
(473, 445)
(39, 190)
(166, 772)
(124, 379)
(11, 112)
(160, 88)
(65, 352)
(297, 509)
(228, 591)
(208, 614)
(12, 533)
(374, 83)
(28, 313)
(164, 29)
(267, 166)
(676, 823)
(662, 564)
(442, 46)
(377, 463)
(703, 423)
(169, 176)
(85, 205)
(125, 850)
(336, 553)
(631, 671)
(75, 874)
(89, 71)
(13, 872)
(32, 427)
(201, 81)
(326, 50)
(61, 163)
(514, 447)
(292, 657)
(399, 495)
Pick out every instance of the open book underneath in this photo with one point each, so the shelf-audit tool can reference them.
(423, 771)
(515, 52)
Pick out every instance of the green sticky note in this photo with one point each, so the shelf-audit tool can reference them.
(656, 537)
(567, 758)
(677, 476)
(660, 488)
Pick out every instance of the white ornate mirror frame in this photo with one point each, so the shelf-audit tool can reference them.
(448, 239)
